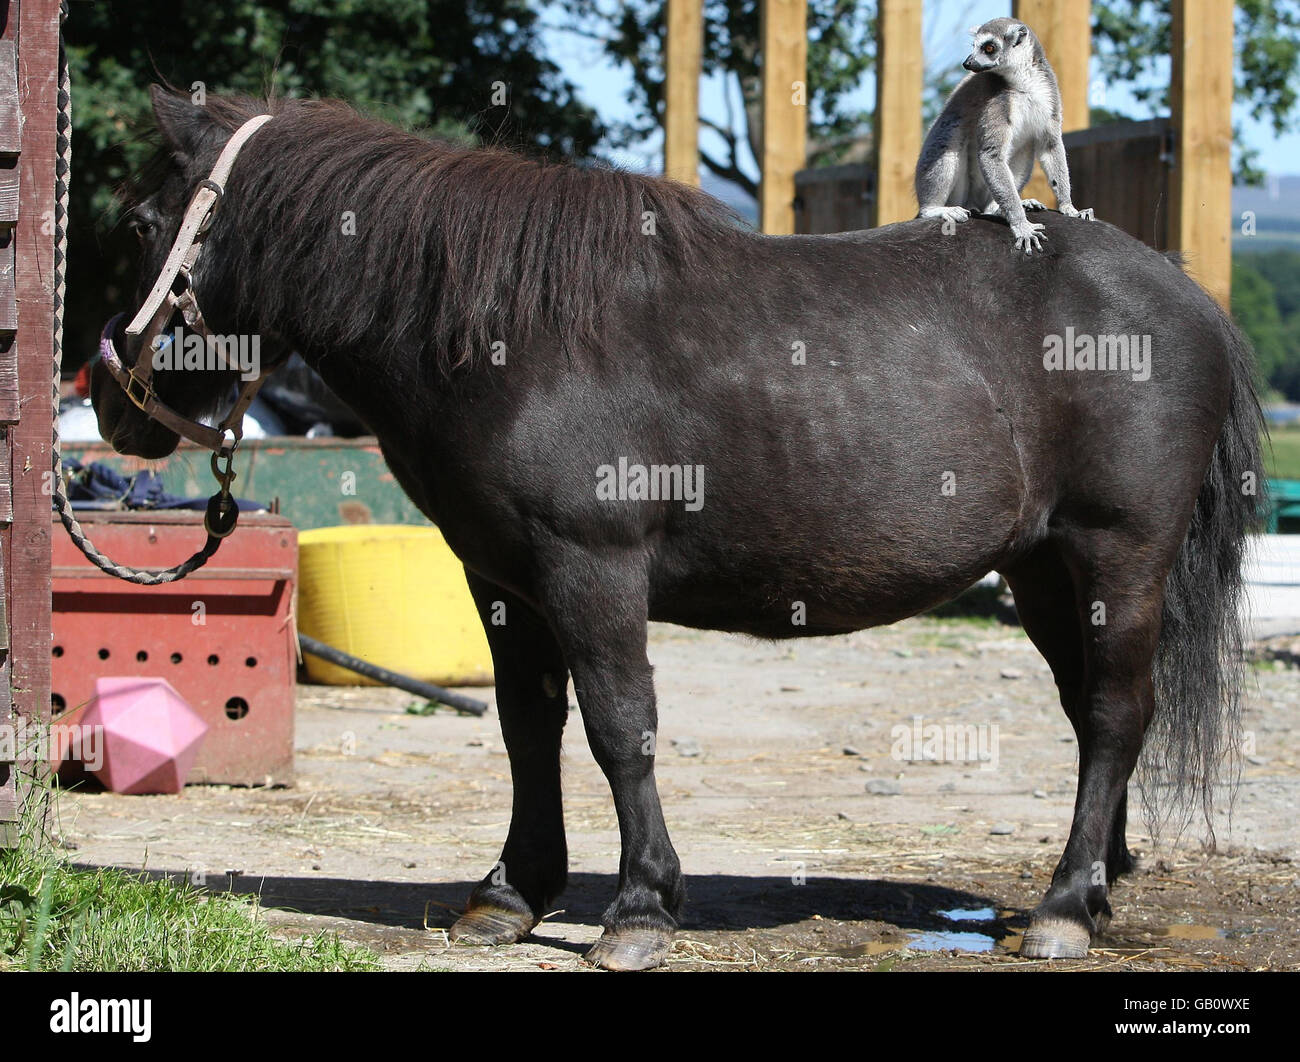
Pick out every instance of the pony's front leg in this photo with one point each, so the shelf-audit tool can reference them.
(598, 606)
(532, 701)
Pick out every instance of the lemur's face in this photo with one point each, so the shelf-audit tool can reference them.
(998, 45)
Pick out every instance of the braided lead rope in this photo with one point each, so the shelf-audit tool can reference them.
(62, 174)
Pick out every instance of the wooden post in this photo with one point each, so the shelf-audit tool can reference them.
(899, 75)
(785, 111)
(11, 125)
(683, 49)
(1201, 90)
(1064, 28)
(26, 542)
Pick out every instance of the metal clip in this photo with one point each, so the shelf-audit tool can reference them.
(225, 476)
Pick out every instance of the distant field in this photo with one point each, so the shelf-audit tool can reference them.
(1284, 460)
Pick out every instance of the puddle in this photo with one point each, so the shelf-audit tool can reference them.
(968, 914)
(946, 940)
(956, 939)
(962, 939)
(1184, 932)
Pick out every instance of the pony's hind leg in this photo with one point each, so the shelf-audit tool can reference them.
(1119, 859)
(1118, 593)
(1052, 618)
(532, 701)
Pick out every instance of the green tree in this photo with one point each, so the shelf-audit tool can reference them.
(841, 51)
(1133, 37)
(1288, 376)
(1282, 269)
(1254, 308)
(429, 65)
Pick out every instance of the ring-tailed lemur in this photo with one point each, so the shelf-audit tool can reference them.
(1003, 115)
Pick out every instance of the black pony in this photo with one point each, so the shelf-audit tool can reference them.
(618, 406)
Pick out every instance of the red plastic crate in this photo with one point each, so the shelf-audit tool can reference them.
(237, 668)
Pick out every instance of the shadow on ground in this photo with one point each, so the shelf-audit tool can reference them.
(715, 902)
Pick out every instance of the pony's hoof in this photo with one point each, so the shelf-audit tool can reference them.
(492, 925)
(631, 949)
(1055, 938)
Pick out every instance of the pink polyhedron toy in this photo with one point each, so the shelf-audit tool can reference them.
(148, 736)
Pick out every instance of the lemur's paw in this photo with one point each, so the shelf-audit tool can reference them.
(1073, 212)
(953, 214)
(1027, 236)
(1032, 204)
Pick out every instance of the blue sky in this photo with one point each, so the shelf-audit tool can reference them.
(605, 86)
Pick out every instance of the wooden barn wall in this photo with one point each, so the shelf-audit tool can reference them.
(27, 158)
(1123, 171)
(834, 199)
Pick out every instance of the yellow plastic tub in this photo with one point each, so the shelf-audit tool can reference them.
(393, 595)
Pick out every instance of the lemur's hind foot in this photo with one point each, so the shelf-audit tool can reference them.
(954, 214)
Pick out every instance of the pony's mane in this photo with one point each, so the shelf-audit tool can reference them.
(456, 248)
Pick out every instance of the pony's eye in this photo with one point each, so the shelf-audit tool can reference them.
(142, 227)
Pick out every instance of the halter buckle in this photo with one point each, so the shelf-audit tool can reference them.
(145, 391)
(211, 213)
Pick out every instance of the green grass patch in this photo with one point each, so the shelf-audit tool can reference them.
(1283, 458)
(958, 621)
(54, 916)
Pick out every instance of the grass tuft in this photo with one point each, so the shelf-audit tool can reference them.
(55, 916)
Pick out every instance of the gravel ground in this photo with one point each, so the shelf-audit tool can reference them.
(806, 841)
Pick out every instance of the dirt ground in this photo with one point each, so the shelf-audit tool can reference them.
(807, 842)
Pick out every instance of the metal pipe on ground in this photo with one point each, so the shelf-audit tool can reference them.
(391, 678)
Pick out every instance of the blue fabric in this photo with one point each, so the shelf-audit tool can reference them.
(97, 486)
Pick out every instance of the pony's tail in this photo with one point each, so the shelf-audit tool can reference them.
(1194, 740)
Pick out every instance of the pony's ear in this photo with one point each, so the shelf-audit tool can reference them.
(179, 120)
